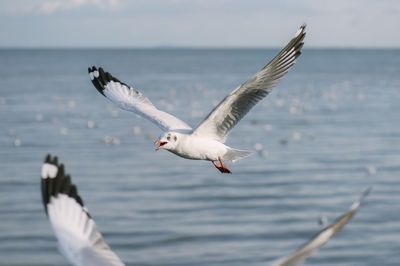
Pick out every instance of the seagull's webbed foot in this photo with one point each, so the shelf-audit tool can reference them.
(222, 167)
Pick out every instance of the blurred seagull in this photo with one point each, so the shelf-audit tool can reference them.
(82, 244)
(298, 256)
(206, 142)
(79, 240)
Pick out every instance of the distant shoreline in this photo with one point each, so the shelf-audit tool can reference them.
(200, 48)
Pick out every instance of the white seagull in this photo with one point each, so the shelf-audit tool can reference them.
(81, 243)
(299, 255)
(79, 240)
(206, 142)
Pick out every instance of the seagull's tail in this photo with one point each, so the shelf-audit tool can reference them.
(235, 155)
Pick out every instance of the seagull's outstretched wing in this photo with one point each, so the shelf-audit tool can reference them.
(297, 257)
(236, 105)
(78, 237)
(130, 99)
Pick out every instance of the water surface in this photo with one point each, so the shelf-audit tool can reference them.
(326, 127)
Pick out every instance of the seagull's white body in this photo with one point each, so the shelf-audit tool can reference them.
(82, 244)
(206, 142)
(200, 148)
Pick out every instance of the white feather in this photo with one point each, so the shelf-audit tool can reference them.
(236, 105)
(298, 256)
(78, 237)
(49, 171)
(132, 100)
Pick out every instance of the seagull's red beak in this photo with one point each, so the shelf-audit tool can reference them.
(160, 144)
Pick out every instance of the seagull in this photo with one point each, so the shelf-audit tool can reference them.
(298, 256)
(81, 242)
(206, 142)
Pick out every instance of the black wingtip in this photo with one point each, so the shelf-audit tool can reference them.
(94, 75)
(300, 34)
(60, 184)
(101, 78)
(48, 158)
(61, 170)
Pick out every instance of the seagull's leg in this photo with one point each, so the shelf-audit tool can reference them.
(217, 165)
(222, 167)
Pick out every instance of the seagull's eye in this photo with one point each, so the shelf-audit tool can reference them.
(168, 138)
(175, 138)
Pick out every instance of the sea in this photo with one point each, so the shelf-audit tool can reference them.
(328, 130)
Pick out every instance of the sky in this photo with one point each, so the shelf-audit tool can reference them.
(196, 23)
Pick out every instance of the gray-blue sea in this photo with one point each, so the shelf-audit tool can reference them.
(328, 130)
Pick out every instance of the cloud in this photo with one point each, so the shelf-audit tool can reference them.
(253, 23)
(52, 6)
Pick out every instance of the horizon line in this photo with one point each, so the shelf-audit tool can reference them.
(177, 47)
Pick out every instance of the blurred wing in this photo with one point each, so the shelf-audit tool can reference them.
(297, 257)
(78, 237)
(236, 105)
(132, 100)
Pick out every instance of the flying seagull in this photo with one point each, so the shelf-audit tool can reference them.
(79, 240)
(298, 256)
(82, 244)
(206, 142)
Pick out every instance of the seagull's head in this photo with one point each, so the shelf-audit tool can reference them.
(167, 141)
